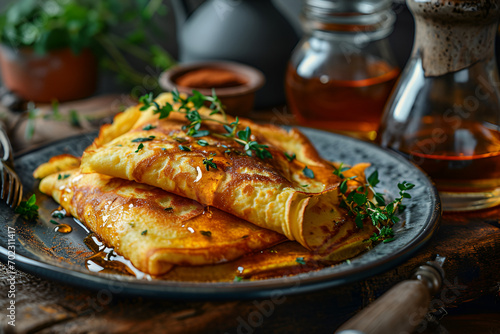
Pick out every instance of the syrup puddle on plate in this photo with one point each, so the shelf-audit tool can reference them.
(105, 260)
(60, 227)
(63, 228)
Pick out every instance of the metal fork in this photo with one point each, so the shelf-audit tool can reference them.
(11, 186)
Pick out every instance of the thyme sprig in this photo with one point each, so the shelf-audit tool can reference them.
(190, 108)
(244, 138)
(359, 205)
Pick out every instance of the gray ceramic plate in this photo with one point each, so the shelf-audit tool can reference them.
(41, 251)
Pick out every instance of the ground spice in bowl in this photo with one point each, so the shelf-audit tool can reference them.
(210, 78)
(234, 84)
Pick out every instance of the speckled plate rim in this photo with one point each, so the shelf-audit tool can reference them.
(358, 269)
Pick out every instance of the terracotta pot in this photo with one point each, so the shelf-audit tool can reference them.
(58, 75)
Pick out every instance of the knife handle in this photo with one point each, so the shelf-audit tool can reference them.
(401, 308)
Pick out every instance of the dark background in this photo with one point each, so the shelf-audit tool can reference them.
(401, 39)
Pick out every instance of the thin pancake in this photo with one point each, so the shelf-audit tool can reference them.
(276, 194)
(285, 259)
(152, 228)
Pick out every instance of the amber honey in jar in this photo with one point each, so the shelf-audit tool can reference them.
(444, 115)
(342, 72)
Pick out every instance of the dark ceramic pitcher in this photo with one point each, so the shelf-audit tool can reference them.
(253, 32)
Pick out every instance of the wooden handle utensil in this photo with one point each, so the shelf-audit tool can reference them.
(402, 308)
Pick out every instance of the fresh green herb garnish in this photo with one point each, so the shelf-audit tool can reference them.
(58, 215)
(149, 127)
(238, 279)
(206, 233)
(141, 140)
(209, 163)
(386, 232)
(28, 210)
(308, 172)
(202, 142)
(180, 139)
(144, 232)
(300, 260)
(338, 171)
(148, 101)
(231, 128)
(63, 177)
(190, 106)
(290, 157)
(381, 214)
(184, 148)
(304, 185)
(251, 145)
(373, 179)
(140, 147)
(54, 222)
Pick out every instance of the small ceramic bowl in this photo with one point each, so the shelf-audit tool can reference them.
(235, 84)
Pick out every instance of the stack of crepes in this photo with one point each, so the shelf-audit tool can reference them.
(145, 188)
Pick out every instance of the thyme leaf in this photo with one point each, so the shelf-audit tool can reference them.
(149, 127)
(141, 140)
(140, 147)
(308, 172)
(209, 163)
(202, 142)
(290, 157)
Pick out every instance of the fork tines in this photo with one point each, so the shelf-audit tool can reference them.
(11, 187)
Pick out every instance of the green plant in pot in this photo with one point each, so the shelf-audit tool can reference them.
(50, 48)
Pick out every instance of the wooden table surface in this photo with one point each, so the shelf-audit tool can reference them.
(469, 301)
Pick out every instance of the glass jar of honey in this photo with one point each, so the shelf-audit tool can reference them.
(342, 71)
(444, 115)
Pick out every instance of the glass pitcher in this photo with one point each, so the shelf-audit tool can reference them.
(444, 114)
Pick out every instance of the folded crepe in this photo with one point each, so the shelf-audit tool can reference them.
(296, 197)
(166, 235)
(152, 228)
